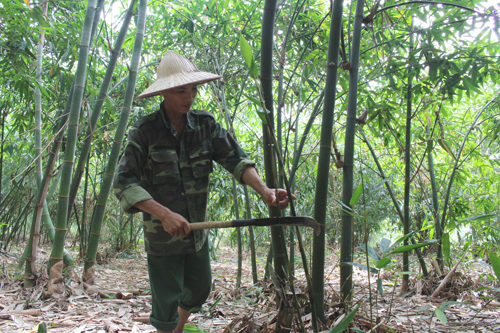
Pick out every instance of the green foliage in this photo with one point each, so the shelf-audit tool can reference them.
(345, 322)
(495, 263)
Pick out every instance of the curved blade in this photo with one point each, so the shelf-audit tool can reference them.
(305, 221)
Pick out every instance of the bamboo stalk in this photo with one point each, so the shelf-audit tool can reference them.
(96, 112)
(407, 187)
(107, 180)
(74, 116)
(347, 219)
(251, 237)
(321, 195)
(435, 201)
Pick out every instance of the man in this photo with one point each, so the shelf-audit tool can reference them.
(164, 173)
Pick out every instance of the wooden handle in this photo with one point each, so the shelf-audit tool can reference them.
(211, 224)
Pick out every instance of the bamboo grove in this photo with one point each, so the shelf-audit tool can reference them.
(382, 117)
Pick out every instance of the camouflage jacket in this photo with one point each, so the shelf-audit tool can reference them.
(173, 169)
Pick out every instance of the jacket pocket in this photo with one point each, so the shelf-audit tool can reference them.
(165, 166)
(201, 160)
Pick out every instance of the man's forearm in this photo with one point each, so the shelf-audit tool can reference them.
(154, 208)
(252, 179)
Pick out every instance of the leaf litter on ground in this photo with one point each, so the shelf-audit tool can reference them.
(122, 302)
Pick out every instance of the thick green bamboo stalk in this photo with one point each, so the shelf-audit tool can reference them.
(238, 232)
(72, 134)
(321, 195)
(347, 188)
(251, 237)
(406, 204)
(266, 78)
(96, 112)
(107, 180)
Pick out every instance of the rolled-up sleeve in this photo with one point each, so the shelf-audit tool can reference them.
(228, 153)
(127, 182)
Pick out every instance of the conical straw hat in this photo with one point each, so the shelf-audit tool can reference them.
(173, 71)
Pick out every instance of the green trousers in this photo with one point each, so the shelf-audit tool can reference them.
(178, 281)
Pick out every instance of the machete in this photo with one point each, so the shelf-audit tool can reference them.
(271, 221)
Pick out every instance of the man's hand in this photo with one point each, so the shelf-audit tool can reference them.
(173, 223)
(269, 197)
(252, 178)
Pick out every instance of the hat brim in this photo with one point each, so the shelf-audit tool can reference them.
(177, 80)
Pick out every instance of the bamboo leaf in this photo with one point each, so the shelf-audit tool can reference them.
(262, 115)
(254, 71)
(406, 248)
(194, 329)
(440, 315)
(445, 146)
(246, 51)
(400, 240)
(384, 245)
(42, 328)
(356, 195)
(372, 270)
(371, 251)
(344, 322)
(349, 209)
(255, 101)
(482, 217)
(495, 263)
(446, 246)
(383, 262)
(380, 287)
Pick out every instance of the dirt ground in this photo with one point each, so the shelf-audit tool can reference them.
(123, 301)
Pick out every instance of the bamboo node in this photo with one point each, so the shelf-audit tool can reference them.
(101, 205)
(89, 261)
(71, 162)
(332, 64)
(93, 234)
(57, 229)
(117, 142)
(108, 174)
(58, 259)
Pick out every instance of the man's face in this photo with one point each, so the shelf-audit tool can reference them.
(179, 100)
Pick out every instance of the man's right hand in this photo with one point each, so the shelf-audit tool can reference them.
(173, 223)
